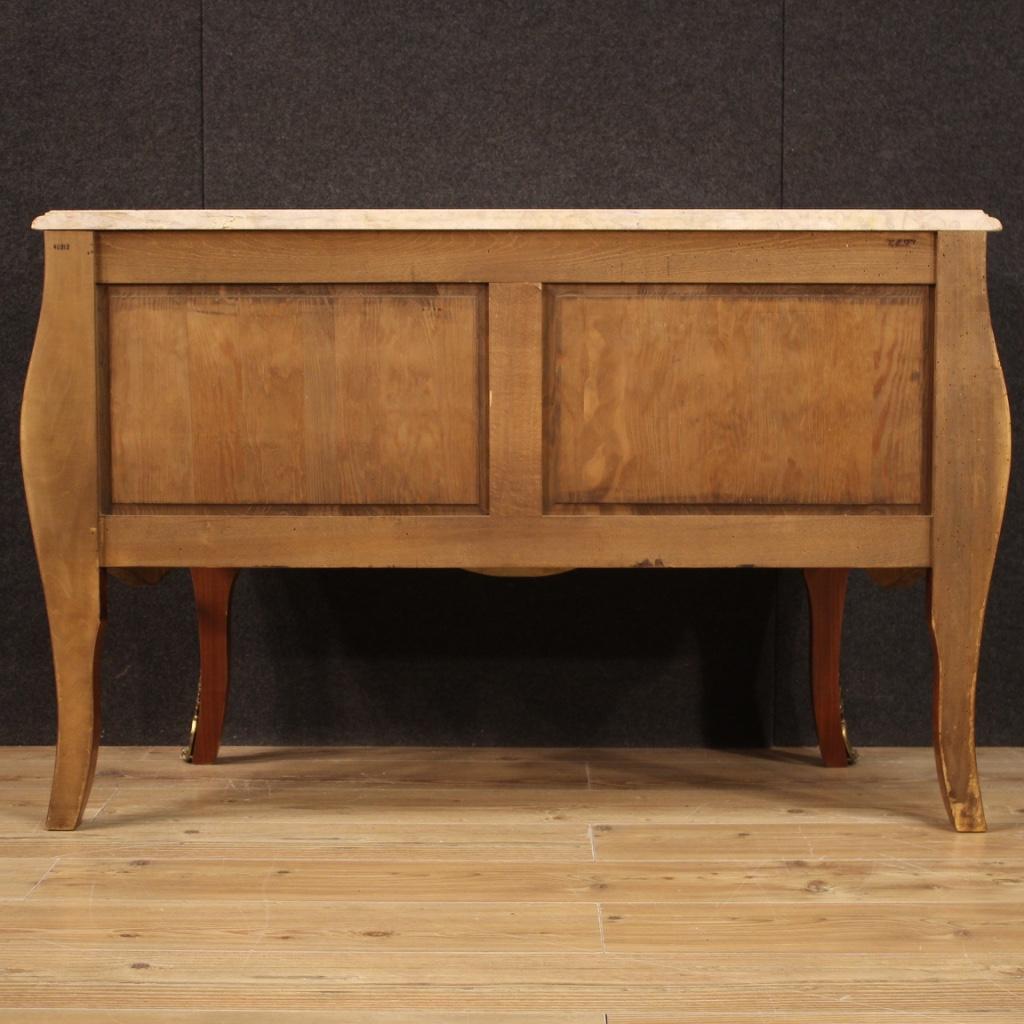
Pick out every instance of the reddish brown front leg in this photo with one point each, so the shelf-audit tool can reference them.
(826, 589)
(213, 608)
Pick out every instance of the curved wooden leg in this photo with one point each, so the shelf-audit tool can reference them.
(213, 609)
(826, 590)
(59, 458)
(970, 476)
(956, 637)
(75, 632)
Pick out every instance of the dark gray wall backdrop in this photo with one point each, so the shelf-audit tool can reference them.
(292, 103)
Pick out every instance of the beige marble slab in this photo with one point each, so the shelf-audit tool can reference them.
(516, 220)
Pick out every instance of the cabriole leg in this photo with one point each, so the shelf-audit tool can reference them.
(76, 627)
(213, 610)
(59, 458)
(970, 476)
(826, 590)
(956, 637)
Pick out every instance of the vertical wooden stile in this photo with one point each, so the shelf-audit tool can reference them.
(515, 382)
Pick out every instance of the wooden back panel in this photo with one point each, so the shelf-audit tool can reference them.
(596, 394)
(296, 394)
(720, 394)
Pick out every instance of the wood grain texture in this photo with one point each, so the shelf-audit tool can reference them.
(815, 843)
(798, 883)
(212, 588)
(739, 805)
(515, 388)
(717, 987)
(358, 1016)
(304, 395)
(971, 475)
(758, 257)
(870, 1016)
(314, 841)
(59, 463)
(290, 893)
(826, 590)
(656, 767)
(471, 542)
(20, 875)
(664, 927)
(344, 925)
(714, 394)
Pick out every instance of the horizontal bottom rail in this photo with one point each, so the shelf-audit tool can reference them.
(435, 542)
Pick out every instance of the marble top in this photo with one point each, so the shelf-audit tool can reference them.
(516, 220)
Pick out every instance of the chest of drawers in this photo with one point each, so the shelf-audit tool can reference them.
(514, 390)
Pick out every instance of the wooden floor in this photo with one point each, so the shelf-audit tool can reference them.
(412, 886)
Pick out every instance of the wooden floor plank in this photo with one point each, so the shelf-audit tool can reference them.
(652, 768)
(693, 882)
(911, 841)
(123, 1016)
(453, 927)
(207, 839)
(393, 886)
(112, 1015)
(969, 928)
(622, 766)
(141, 976)
(372, 804)
(505, 765)
(767, 1016)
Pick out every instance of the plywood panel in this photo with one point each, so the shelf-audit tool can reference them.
(736, 394)
(327, 394)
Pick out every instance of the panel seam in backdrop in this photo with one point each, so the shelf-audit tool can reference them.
(202, 107)
(782, 115)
